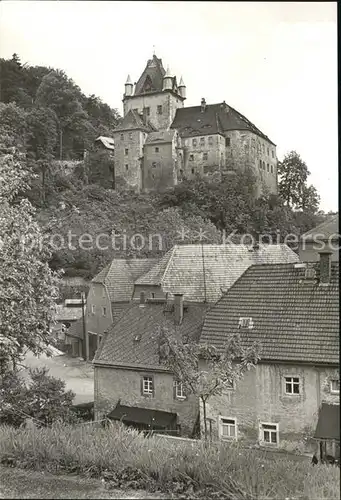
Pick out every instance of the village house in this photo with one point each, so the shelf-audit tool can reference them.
(292, 395)
(325, 236)
(203, 272)
(132, 383)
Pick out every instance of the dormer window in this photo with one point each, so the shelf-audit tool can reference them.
(245, 323)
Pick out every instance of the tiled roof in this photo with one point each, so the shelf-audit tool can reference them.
(64, 313)
(192, 269)
(107, 142)
(295, 319)
(119, 347)
(132, 121)
(327, 228)
(152, 77)
(217, 118)
(162, 136)
(119, 277)
(328, 425)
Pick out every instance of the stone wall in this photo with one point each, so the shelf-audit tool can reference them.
(204, 156)
(112, 384)
(260, 397)
(127, 157)
(159, 166)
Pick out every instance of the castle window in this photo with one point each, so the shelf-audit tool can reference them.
(126, 151)
(263, 148)
(122, 137)
(267, 167)
(227, 141)
(159, 110)
(210, 141)
(127, 166)
(268, 152)
(154, 164)
(272, 169)
(191, 157)
(273, 153)
(192, 170)
(156, 150)
(146, 111)
(260, 164)
(130, 135)
(204, 156)
(181, 172)
(202, 141)
(194, 142)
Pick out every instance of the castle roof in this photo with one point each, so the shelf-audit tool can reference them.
(215, 119)
(151, 79)
(133, 120)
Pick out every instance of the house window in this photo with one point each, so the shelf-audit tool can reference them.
(269, 434)
(93, 308)
(147, 386)
(227, 141)
(122, 137)
(202, 141)
(245, 323)
(204, 156)
(191, 157)
(146, 111)
(194, 142)
(126, 151)
(99, 340)
(127, 166)
(179, 392)
(227, 428)
(335, 386)
(104, 311)
(292, 385)
(156, 150)
(210, 141)
(159, 110)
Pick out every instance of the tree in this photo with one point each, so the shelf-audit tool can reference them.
(292, 186)
(43, 398)
(203, 370)
(28, 288)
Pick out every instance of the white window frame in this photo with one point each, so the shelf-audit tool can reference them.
(245, 322)
(179, 390)
(334, 391)
(289, 380)
(261, 433)
(232, 423)
(148, 386)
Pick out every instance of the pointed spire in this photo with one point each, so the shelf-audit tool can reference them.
(129, 82)
(181, 84)
(168, 73)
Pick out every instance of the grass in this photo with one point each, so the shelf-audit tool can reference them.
(125, 458)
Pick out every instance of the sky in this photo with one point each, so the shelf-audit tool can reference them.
(275, 62)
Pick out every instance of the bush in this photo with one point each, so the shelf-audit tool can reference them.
(44, 399)
(123, 457)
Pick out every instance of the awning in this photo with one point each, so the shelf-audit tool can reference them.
(144, 416)
(328, 425)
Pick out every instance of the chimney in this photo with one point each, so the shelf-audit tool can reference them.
(142, 299)
(325, 266)
(203, 105)
(178, 308)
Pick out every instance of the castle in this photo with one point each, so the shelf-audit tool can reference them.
(159, 141)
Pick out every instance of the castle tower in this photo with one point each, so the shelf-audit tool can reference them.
(182, 88)
(167, 80)
(128, 87)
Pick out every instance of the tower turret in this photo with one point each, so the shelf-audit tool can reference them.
(167, 80)
(182, 88)
(128, 87)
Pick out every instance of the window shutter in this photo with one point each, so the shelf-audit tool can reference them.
(141, 384)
